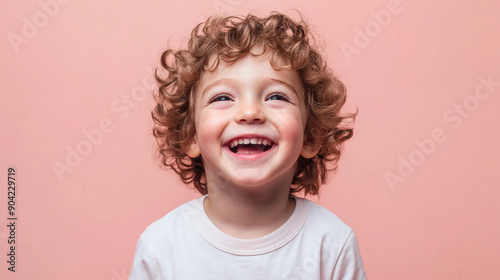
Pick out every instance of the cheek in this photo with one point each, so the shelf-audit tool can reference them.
(296, 133)
(292, 128)
(208, 129)
(292, 121)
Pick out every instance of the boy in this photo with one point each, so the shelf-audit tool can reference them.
(249, 114)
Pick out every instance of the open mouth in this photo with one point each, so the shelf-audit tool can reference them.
(249, 146)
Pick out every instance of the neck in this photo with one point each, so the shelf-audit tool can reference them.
(248, 214)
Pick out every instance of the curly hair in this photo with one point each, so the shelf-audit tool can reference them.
(291, 47)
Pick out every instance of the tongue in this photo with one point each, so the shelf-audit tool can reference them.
(250, 149)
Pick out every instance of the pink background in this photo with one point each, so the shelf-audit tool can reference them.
(69, 67)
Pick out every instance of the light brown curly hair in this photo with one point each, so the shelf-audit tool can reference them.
(291, 47)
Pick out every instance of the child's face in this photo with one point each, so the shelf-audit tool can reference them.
(250, 122)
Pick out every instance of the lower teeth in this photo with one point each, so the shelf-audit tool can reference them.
(249, 149)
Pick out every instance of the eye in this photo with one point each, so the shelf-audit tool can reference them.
(278, 96)
(220, 97)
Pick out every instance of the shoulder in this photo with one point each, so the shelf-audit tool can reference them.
(179, 218)
(340, 255)
(323, 218)
(158, 246)
(325, 225)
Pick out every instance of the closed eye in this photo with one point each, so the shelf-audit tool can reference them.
(278, 96)
(220, 97)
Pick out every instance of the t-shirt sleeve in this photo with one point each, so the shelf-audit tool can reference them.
(141, 267)
(349, 265)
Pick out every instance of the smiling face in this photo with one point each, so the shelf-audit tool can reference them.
(250, 122)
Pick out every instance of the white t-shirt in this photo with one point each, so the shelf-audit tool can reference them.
(312, 244)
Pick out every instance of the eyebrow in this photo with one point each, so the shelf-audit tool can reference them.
(216, 83)
(232, 81)
(287, 85)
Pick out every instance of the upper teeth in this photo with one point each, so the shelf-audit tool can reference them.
(253, 141)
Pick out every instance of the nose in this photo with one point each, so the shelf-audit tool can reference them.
(249, 112)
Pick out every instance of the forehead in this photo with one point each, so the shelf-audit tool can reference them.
(249, 69)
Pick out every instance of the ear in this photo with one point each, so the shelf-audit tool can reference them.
(309, 151)
(193, 149)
